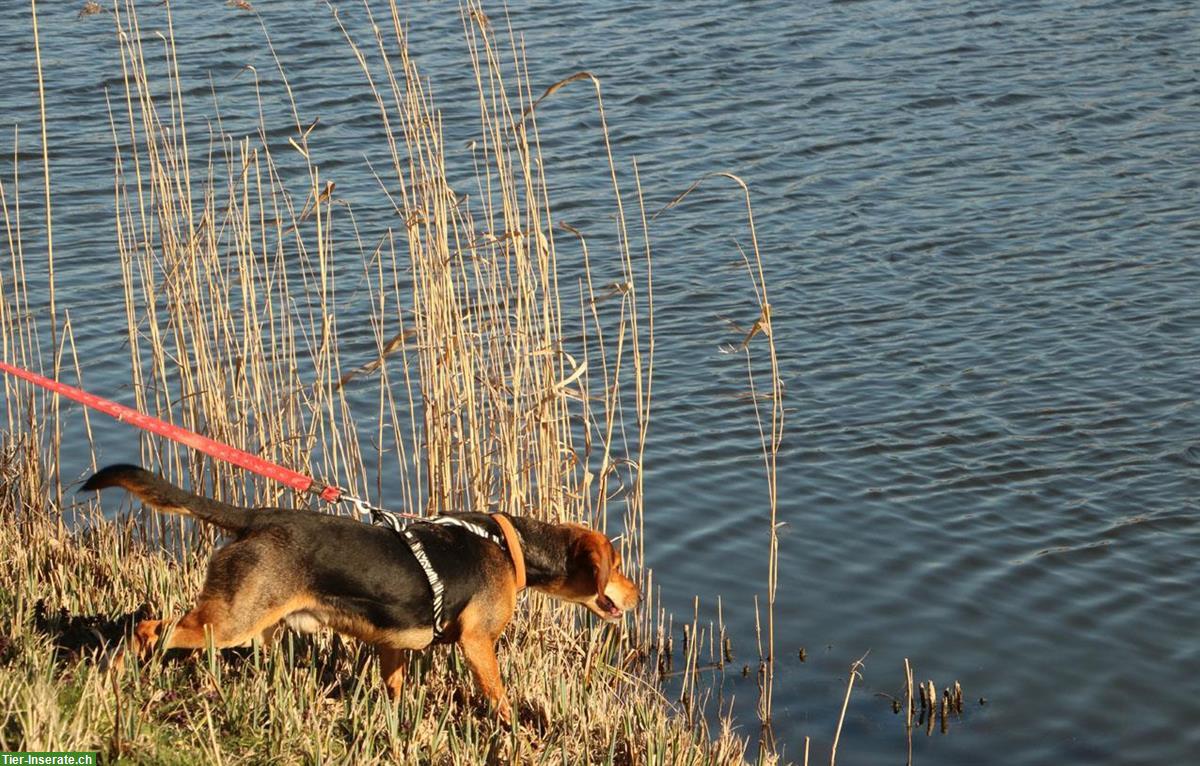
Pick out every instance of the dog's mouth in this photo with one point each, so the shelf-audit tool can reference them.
(606, 608)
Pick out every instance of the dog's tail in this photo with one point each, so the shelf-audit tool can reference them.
(162, 495)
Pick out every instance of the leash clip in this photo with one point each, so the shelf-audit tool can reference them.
(378, 516)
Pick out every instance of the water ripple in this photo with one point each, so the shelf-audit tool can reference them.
(979, 225)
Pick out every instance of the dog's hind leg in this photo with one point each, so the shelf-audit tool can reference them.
(190, 632)
(226, 626)
(246, 593)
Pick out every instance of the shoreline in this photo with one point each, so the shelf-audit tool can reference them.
(69, 596)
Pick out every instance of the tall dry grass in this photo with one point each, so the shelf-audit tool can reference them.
(493, 385)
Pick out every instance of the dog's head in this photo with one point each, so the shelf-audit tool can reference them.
(592, 575)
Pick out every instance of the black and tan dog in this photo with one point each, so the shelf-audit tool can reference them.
(307, 569)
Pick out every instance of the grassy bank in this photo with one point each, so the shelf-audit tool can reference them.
(65, 596)
(508, 369)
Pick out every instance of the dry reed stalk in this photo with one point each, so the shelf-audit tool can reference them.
(837, 734)
(770, 437)
(37, 55)
(230, 284)
(69, 339)
(930, 692)
(909, 707)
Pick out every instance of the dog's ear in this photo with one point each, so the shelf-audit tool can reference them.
(594, 550)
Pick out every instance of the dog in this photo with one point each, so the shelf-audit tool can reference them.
(306, 570)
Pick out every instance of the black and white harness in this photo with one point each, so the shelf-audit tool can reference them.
(404, 529)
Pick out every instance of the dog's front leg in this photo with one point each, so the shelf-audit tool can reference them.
(391, 667)
(480, 651)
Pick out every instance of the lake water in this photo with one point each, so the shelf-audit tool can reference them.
(980, 222)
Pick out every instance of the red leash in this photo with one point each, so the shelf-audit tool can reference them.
(253, 463)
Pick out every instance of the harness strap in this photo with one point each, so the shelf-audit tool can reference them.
(478, 531)
(435, 583)
(511, 542)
